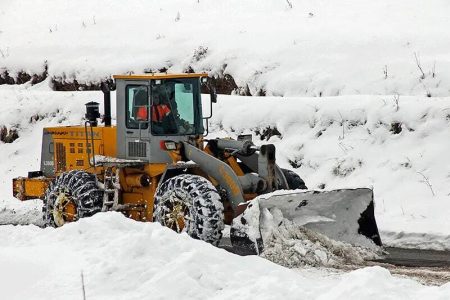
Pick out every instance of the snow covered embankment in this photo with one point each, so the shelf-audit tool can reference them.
(27, 110)
(280, 48)
(123, 259)
(398, 146)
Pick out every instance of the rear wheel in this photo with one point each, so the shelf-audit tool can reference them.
(71, 196)
(190, 203)
(293, 180)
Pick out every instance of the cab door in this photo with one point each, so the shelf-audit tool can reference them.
(137, 120)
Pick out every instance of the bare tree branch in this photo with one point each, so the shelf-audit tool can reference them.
(427, 182)
(433, 72)
(343, 127)
(82, 286)
(289, 3)
(396, 98)
(419, 66)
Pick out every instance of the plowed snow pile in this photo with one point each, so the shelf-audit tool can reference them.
(123, 259)
(13, 212)
(294, 246)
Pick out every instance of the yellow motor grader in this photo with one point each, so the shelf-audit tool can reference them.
(157, 164)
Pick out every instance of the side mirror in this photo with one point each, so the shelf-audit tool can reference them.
(213, 94)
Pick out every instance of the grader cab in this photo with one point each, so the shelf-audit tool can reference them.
(156, 164)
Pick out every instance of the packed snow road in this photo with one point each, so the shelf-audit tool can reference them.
(123, 259)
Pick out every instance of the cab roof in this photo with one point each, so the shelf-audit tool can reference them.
(150, 76)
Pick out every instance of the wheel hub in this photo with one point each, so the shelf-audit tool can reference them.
(64, 210)
(177, 214)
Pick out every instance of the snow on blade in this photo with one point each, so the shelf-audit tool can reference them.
(277, 235)
(294, 246)
(336, 213)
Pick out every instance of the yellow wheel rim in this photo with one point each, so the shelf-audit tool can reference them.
(64, 210)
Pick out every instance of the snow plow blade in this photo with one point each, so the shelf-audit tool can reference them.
(345, 215)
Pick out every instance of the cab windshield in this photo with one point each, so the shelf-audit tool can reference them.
(175, 107)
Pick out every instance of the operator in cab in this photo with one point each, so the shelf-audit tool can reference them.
(162, 117)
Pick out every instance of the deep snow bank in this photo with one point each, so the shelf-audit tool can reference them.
(290, 48)
(123, 259)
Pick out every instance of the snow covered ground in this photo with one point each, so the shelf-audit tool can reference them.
(289, 48)
(360, 52)
(123, 259)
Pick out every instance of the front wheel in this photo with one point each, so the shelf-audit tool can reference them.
(190, 203)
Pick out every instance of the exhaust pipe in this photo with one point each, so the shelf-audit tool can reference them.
(107, 103)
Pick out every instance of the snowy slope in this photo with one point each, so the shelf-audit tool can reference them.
(335, 142)
(397, 147)
(290, 48)
(123, 259)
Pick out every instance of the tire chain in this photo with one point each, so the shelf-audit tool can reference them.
(79, 185)
(207, 214)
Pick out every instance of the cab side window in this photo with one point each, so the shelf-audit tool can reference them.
(137, 106)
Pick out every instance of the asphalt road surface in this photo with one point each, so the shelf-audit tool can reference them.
(395, 256)
(416, 258)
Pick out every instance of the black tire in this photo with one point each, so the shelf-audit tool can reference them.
(293, 180)
(200, 207)
(81, 188)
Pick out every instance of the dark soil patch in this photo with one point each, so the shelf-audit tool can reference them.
(396, 128)
(23, 77)
(225, 84)
(8, 136)
(267, 133)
